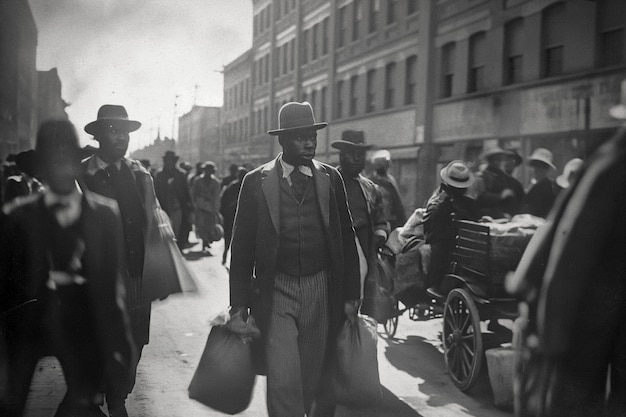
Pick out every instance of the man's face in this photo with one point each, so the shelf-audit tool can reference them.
(60, 171)
(299, 147)
(113, 140)
(352, 161)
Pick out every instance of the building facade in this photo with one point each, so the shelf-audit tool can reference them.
(526, 74)
(50, 104)
(18, 77)
(199, 135)
(434, 81)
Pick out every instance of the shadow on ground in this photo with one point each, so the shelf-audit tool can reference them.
(390, 406)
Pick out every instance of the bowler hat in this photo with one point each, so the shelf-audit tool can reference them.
(542, 155)
(109, 114)
(170, 155)
(619, 111)
(296, 116)
(351, 139)
(456, 174)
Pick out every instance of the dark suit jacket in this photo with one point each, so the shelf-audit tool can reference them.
(256, 239)
(24, 267)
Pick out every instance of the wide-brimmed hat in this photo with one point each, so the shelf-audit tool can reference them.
(619, 111)
(351, 139)
(456, 174)
(542, 155)
(170, 155)
(491, 151)
(572, 166)
(296, 116)
(109, 114)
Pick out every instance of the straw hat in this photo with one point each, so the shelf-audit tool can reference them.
(571, 167)
(457, 174)
(542, 155)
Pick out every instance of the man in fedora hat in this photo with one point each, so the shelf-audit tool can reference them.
(109, 173)
(294, 262)
(392, 203)
(61, 268)
(540, 195)
(448, 203)
(170, 185)
(495, 195)
(364, 198)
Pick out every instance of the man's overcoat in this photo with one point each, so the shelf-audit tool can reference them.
(255, 242)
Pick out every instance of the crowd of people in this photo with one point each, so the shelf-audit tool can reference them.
(304, 237)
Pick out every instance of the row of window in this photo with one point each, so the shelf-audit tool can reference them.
(237, 130)
(554, 38)
(237, 95)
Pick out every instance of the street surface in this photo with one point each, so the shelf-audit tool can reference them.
(412, 369)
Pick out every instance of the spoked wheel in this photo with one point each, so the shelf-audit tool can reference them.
(391, 325)
(462, 340)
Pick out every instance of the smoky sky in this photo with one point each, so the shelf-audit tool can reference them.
(141, 54)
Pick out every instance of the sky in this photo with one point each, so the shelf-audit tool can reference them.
(148, 55)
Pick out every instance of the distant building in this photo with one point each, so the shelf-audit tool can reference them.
(199, 135)
(18, 77)
(155, 151)
(50, 104)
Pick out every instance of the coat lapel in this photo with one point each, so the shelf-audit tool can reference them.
(271, 191)
(322, 188)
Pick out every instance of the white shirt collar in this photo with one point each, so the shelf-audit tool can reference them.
(288, 168)
(96, 163)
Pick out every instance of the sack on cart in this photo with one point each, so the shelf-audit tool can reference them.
(412, 264)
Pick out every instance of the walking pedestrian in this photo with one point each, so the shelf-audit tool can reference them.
(392, 203)
(61, 272)
(495, 196)
(228, 207)
(170, 185)
(364, 199)
(233, 173)
(205, 193)
(293, 233)
(109, 173)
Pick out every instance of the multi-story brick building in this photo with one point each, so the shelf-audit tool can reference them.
(18, 77)
(436, 80)
(199, 135)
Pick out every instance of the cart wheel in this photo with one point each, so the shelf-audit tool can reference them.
(462, 340)
(391, 325)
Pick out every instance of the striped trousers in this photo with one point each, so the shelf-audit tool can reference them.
(296, 342)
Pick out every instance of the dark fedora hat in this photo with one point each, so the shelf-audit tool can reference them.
(351, 139)
(109, 114)
(296, 116)
(170, 155)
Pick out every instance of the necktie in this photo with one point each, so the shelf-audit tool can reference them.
(298, 183)
(112, 171)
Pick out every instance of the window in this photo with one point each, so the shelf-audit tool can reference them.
(611, 32)
(391, 11)
(315, 41)
(411, 6)
(410, 84)
(553, 30)
(357, 15)
(354, 84)
(447, 69)
(292, 57)
(268, 16)
(513, 51)
(339, 99)
(323, 103)
(370, 98)
(373, 16)
(267, 68)
(390, 90)
(314, 99)
(277, 59)
(286, 51)
(341, 33)
(477, 60)
(325, 37)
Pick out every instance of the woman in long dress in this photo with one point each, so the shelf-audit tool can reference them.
(205, 192)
